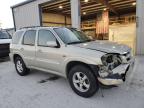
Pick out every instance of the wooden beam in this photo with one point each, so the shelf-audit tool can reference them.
(53, 3)
(106, 3)
(121, 2)
(58, 10)
(54, 23)
(86, 9)
(64, 4)
(124, 5)
(128, 8)
(53, 11)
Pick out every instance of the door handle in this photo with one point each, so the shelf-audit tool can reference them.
(22, 49)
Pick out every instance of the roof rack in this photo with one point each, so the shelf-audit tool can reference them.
(30, 27)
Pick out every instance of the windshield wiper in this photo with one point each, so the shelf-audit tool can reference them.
(77, 42)
(88, 40)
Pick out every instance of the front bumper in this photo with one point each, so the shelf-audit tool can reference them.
(119, 74)
(4, 50)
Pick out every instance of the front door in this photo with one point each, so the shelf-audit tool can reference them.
(48, 57)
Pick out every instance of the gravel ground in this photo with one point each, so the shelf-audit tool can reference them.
(38, 91)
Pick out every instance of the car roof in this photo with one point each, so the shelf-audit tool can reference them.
(40, 27)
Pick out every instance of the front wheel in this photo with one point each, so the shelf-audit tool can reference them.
(20, 66)
(82, 81)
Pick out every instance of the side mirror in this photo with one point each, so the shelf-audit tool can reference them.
(51, 44)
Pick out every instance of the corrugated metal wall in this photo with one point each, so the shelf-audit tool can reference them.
(28, 14)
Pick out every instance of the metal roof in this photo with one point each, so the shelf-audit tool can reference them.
(116, 7)
(22, 3)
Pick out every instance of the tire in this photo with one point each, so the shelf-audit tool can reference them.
(20, 66)
(82, 81)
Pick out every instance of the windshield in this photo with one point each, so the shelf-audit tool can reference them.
(71, 36)
(4, 35)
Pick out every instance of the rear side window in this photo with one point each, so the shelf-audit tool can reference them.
(29, 37)
(16, 37)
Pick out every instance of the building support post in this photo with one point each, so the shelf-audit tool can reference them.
(140, 27)
(76, 14)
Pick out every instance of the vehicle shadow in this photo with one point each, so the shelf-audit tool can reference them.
(62, 83)
(45, 77)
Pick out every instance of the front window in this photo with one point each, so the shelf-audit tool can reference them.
(71, 36)
(44, 37)
(4, 35)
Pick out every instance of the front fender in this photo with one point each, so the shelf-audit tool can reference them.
(90, 62)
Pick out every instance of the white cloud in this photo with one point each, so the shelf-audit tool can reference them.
(6, 18)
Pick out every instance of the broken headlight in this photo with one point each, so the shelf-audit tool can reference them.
(111, 61)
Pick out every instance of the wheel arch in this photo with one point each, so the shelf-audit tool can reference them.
(18, 55)
(15, 56)
(71, 64)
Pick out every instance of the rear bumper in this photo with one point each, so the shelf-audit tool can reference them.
(119, 75)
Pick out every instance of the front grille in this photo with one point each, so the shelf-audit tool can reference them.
(4, 47)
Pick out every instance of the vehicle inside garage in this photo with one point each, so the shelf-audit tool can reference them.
(113, 20)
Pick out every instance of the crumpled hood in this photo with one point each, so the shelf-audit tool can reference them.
(105, 46)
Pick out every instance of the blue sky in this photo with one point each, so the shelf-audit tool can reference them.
(6, 19)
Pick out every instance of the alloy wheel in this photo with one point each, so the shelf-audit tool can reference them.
(81, 82)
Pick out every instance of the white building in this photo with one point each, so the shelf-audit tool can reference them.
(125, 21)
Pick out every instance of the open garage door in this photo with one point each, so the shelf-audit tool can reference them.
(53, 13)
(113, 20)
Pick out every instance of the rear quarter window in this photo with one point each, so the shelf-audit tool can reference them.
(16, 37)
(29, 37)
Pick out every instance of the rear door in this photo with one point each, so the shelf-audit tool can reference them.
(27, 49)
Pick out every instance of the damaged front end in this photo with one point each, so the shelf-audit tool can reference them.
(115, 68)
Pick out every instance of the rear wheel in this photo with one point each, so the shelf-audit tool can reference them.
(82, 81)
(20, 66)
